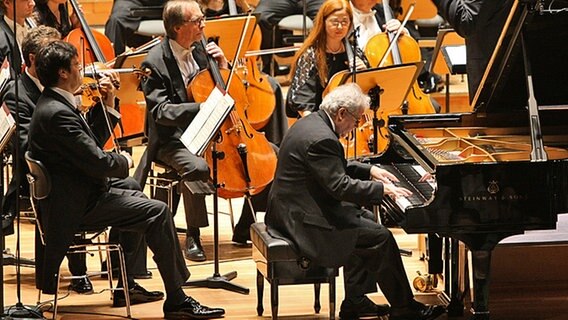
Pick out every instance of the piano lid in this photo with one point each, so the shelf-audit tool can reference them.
(544, 27)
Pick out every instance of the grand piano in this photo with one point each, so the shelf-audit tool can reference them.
(503, 168)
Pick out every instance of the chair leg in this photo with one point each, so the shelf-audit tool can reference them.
(332, 298)
(317, 304)
(252, 211)
(259, 293)
(274, 298)
(124, 280)
(55, 296)
(231, 215)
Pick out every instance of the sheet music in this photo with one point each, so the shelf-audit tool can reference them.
(456, 58)
(211, 115)
(4, 74)
(7, 126)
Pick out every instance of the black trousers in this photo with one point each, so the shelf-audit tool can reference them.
(272, 11)
(130, 211)
(376, 260)
(135, 247)
(120, 27)
(191, 168)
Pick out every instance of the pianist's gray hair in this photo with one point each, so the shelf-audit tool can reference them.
(348, 96)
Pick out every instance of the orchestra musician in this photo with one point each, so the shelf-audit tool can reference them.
(173, 63)
(480, 22)
(272, 12)
(55, 13)
(80, 196)
(121, 27)
(322, 55)
(24, 9)
(29, 90)
(369, 20)
(315, 201)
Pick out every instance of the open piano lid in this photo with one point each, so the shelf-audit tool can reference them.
(544, 27)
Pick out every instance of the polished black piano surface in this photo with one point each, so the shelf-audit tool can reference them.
(503, 168)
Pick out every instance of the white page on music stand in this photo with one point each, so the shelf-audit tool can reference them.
(207, 121)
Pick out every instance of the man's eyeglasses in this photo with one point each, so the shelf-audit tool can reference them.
(335, 23)
(197, 20)
(356, 118)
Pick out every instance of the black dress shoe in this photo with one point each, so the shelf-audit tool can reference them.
(362, 307)
(417, 311)
(191, 309)
(81, 285)
(240, 238)
(144, 276)
(193, 250)
(137, 295)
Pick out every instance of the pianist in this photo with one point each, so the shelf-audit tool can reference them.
(315, 199)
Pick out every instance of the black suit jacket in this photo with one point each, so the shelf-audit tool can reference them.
(79, 171)
(315, 191)
(169, 110)
(8, 46)
(480, 22)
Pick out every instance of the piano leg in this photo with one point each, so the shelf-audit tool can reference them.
(481, 260)
(455, 278)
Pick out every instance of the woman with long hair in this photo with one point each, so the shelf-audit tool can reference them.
(322, 55)
(55, 13)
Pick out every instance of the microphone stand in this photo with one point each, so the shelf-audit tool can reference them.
(19, 310)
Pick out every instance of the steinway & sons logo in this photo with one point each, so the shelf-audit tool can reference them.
(493, 194)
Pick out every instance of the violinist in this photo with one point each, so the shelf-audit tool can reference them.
(55, 13)
(24, 9)
(30, 89)
(173, 63)
(322, 55)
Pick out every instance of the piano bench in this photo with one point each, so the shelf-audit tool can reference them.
(277, 261)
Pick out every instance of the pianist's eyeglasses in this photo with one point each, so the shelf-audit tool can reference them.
(356, 118)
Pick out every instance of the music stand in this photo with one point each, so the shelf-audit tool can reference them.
(393, 83)
(202, 132)
(222, 32)
(445, 37)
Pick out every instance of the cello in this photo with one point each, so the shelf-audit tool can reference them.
(261, 97)
(243, 147)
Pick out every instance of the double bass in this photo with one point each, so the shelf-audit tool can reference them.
(249, 161)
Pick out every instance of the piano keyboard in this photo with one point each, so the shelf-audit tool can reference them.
(408, 175)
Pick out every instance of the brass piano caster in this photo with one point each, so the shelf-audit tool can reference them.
(425, 282)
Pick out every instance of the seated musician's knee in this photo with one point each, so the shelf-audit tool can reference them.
(198, 171)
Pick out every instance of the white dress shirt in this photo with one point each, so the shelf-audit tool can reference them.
(187, 65)
(367, 25)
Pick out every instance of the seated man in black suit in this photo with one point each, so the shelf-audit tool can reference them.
(80, 196)
(8, 46)
(315, 201)
(29, 90)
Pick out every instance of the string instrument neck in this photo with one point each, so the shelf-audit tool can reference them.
(395, 52)
(94, 47)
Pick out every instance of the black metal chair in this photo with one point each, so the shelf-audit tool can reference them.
(40, 187)
(278, 262)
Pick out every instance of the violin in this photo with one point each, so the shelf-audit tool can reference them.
(243, 147)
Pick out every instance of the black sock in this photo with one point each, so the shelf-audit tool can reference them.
(176, 297)
(193, 232)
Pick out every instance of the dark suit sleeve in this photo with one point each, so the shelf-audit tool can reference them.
(25, 111)
(327, 165)
(159, 103)
(464, 16)
(82, 151)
